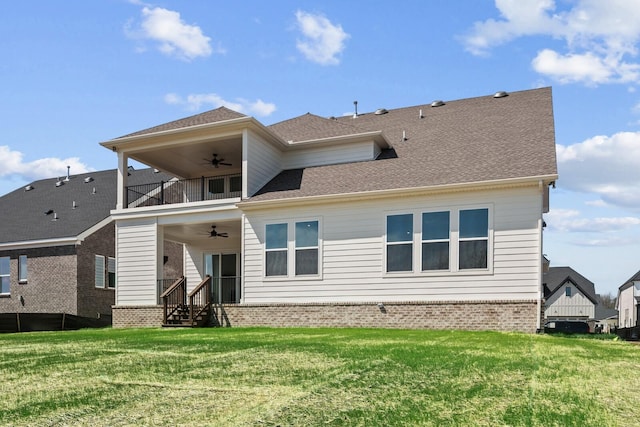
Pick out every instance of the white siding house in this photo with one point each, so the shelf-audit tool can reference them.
(627, 302)
(569, 295)
(409, 217)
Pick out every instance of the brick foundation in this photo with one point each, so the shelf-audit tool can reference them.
(469, 315)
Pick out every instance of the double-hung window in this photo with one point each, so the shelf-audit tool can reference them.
(400, 242)
(5, 275)
(306, 248)
(435, 240)
(22, 269)
(473, 241)
(276, 252)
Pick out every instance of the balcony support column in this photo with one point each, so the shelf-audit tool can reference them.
(123, 170)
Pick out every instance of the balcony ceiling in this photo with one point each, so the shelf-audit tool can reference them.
(194, 160)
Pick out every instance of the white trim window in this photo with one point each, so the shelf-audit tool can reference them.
(276, 249)
(5, 275)
(100, 271)
(307, 248)
(436, 237)
(456, 240)
(22, 269)
(293, 249)
(473, 241)
(400, 242)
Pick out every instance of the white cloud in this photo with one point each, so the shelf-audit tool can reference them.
(569, 220)
(604, 165)
(323, 41)
(195, 102)
(174, 37)
(12, 163)
(600, 37)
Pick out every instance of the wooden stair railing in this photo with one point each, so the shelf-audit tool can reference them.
(174, 298)
(200, 302)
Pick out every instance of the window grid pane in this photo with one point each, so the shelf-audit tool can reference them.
(474, 223)
(306, 261)
(276, 236)
(435, 256)
(435, 226)
(473, 254)
(400, 257)
(400, 228)
(307, 234)
(276, 263)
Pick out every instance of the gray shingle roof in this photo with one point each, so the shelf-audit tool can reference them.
(629, 282)
(470, 140)
(212, 116)
(23, 212)
(558, 276)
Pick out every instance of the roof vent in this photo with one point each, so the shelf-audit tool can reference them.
(94, 190)
(68, 174)
(355, 106)
(74, 205)
(88, 179)
(500, 94)
(380, 111)
(437, 103)
(156, 171)
(55, 217)
(29, 187)
(420, 115)
(49, 212)
(59, 183)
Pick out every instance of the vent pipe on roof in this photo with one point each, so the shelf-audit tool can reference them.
(404, 136)
(94, 190)
(420, 116)
(68, 174)
(55, 216)
(73, 206)
(355, 106)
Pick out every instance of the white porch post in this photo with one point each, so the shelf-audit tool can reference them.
(123, 167)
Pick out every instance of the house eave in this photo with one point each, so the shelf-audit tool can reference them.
(248, 205)
(40, 243)
(375, 136)
(191, 134)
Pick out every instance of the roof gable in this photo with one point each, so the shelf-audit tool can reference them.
(310, 127)
(557, 277)
(211, 116)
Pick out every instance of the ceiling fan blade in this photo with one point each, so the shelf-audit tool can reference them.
(224, 164)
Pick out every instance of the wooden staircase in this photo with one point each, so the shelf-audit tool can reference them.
(187, 310)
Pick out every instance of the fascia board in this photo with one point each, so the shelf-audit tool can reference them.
(446, 188)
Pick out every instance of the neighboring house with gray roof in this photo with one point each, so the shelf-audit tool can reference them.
(569, 295)
(57, 250)
(425, 216)
(627, 302)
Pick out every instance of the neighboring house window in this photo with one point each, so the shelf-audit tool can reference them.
(111, 273)
(474, 239)
(5, 275)
(22, 269)
(400, 242)
(567, 291)
(435, 241)
(100, 271)
(276, 249)
(306, 247)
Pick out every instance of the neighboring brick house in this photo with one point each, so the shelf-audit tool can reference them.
(569, 295)
(427, 216)
(57, 251)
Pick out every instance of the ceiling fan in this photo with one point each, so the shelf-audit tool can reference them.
(216, 162)
(213, 233)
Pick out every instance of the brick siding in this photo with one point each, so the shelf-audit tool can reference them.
(51, 281)
(518, 316)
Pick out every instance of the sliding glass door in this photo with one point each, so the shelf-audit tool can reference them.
(225, 280)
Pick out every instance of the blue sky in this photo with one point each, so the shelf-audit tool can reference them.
(79, 72)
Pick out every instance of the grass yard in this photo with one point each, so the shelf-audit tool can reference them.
(314, 377)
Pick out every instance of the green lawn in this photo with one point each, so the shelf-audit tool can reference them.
(313, 377)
